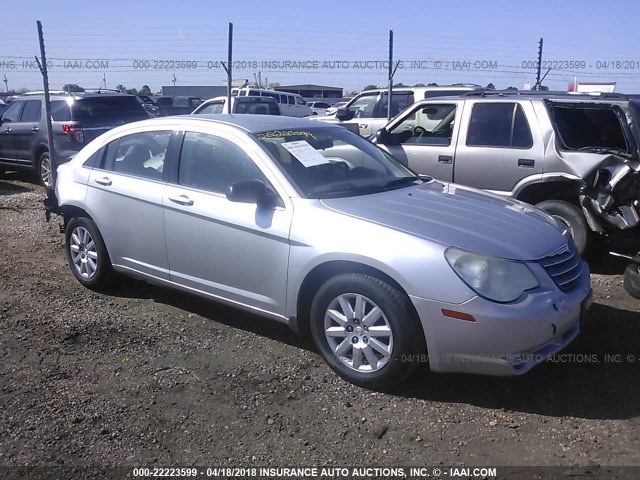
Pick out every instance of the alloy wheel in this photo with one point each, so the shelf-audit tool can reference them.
(84, 253)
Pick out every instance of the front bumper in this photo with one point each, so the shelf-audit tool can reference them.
(504, 339)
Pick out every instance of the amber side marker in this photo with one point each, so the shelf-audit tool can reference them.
(458, 315)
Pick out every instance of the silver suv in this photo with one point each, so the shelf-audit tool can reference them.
(368, 109)
(574, 156)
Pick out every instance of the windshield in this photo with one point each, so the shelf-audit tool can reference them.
(333, 162)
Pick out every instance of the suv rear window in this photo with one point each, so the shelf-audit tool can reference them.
(108, 109)
(583, 126)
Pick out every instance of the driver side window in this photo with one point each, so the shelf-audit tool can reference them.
(364, 106)
(427, 125)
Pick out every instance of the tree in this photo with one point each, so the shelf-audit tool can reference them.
(72, 87)
(398, 85)
(432, 84)
(145, 90)
(132, 91)
(419, 85)
(121, 88)
(370, 87)
(491, 86)
(512, 88)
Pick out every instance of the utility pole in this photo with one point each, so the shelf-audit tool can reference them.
(390, 92)
(104, 80)
(173, 93)
(228, 65)
(539, 65)
(6, 83)
(47, 105)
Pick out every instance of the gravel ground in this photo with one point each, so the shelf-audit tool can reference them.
(148, 376)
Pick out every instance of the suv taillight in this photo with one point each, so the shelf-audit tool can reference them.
(76, 133)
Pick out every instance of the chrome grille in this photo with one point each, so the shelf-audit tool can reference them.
(564, 268)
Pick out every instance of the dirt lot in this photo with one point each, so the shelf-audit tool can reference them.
(147, 376)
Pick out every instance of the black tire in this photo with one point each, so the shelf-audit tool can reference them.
(570, 216)
(94, 272)
(406, 340)
(44, 170)
(632, 280)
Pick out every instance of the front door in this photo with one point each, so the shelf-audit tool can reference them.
(230, 250)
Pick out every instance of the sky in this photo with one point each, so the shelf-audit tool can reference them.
(335, 43)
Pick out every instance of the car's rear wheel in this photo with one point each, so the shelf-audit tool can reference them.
(87, 254)
(44, 170)
(366, 330)
(571, 217)
(632, 280)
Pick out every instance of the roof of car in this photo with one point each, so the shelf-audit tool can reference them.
(249, 122)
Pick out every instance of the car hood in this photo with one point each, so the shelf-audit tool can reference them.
(464, 217)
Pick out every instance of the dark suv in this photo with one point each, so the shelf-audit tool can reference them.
(77, 118)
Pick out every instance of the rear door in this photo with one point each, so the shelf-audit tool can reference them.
(10, 118)
(236, 251)
(125, 200)
(497, 146)
(424, 138)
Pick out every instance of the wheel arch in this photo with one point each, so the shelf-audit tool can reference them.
(38, 150)
(561, 188)
(323, 272)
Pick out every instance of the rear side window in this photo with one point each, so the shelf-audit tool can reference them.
(399, 102)
(291, 100)
(499, 125)
(589, 126)
(32, 111)
(108, 110)
(60, 111)
(139, 154)
(256, 106)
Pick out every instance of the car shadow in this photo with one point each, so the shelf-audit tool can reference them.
(601, 262)
(8, 188)
(595, 377)
(212, 310)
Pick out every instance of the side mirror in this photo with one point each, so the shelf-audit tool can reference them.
(344, 114)
(253, 191)
(383, 137)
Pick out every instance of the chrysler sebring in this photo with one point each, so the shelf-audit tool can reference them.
(309, 224)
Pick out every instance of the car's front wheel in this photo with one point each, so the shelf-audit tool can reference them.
(87, 254)
(366, 330)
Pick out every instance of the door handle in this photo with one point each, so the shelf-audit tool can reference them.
(526, 162)
(35, 129)
(8, 130)
(182, 200)
(363, 125)
(103, 181)
(445, 159)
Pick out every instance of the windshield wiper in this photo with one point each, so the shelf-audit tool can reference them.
(400, 182)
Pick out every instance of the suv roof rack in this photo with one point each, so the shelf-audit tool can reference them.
(41, 92)
(483, 92)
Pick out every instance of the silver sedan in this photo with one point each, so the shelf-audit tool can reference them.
(311, 225)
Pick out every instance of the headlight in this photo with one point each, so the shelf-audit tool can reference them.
(493, 278)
